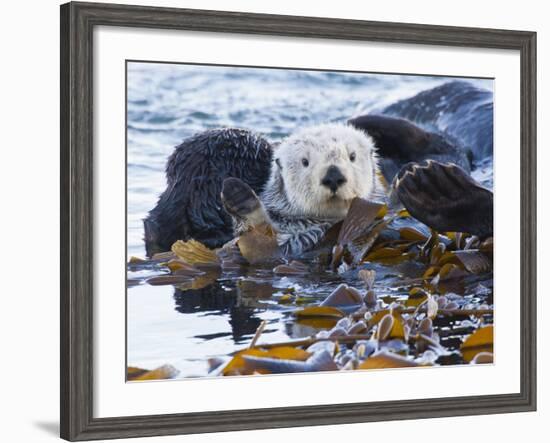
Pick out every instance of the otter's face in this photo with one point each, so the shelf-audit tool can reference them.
(323, 168)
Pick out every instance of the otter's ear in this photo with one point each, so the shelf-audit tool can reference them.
(278, 161)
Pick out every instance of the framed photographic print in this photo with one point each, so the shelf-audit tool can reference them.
(272, 221)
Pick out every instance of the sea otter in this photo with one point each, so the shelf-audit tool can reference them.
(315, 175)
(304, 185)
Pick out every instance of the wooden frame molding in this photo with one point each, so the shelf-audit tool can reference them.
(77, 23)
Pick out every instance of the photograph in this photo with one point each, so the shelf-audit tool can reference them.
(284, 220)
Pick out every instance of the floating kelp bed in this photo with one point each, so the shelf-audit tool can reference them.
(382, 292)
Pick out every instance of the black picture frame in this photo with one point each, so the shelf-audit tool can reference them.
(77, 23)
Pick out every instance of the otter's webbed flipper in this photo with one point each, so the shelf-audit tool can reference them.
(446, 198)
(242, 203)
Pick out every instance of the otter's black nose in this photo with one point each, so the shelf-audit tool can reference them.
(333, 179)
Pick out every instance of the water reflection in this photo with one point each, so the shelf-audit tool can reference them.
(224, 297)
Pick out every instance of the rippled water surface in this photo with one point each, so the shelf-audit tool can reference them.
(166, 103)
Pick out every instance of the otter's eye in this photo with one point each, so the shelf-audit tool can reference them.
(352, 156)
(305, 162)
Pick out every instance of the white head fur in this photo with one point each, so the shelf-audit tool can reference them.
(302, 161)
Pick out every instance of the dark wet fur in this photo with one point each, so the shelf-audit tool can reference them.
(399, 142)
(191, 206)
(458, 109)
(445, 198)
(238, 198)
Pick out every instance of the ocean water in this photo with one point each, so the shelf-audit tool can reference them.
(169, 102)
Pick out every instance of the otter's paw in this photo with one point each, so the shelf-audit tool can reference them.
(445, 197)
(238, 198)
